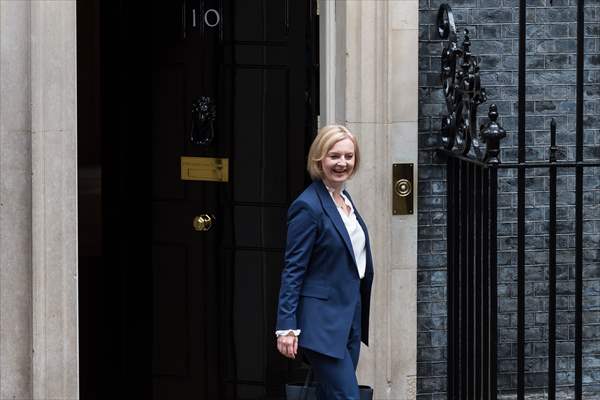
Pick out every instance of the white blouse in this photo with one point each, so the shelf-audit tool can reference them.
(357, 237)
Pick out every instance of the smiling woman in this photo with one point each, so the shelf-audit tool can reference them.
(338, 164)
(326, 282)
(332, 140)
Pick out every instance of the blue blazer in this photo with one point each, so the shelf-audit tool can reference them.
(320, 282)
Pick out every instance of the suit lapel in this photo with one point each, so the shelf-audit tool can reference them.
(334, 215)
(364, 228)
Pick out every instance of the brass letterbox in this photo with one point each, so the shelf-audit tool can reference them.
(205, 169)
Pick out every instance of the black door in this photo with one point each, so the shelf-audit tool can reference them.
(215, 291)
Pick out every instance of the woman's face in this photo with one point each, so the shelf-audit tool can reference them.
(338, 163)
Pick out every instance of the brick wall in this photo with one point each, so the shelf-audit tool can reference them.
(551, 59)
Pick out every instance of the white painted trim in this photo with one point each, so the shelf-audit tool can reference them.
(327, 61)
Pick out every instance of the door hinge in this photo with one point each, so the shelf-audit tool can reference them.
(318, 9)
(318, 121)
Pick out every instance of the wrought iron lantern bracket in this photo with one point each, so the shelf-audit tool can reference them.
(462, 89)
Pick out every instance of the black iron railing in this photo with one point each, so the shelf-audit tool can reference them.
(472, 180)
(471, 233)
(472, 176)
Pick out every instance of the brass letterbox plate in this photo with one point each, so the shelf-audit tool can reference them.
(205, 169)
(402, 189)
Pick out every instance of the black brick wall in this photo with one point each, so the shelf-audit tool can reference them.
(551, 58)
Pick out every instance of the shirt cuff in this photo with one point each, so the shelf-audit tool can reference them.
(296, 332)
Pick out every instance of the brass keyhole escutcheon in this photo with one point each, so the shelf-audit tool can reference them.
(403, 187)
(203, 222)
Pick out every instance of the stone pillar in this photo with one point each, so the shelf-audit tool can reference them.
(54, 188)
(380, 76)
(15, 202)
(38, 200)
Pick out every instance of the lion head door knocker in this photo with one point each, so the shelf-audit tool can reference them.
(203, 121)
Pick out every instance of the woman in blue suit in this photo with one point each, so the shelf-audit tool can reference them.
(326, 281)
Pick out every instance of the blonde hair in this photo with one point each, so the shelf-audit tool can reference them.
(326, 138)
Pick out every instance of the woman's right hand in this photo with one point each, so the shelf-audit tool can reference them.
(288, 345)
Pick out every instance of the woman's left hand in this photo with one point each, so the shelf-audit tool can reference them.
(288, 345)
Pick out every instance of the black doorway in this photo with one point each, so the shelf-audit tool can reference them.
(115, 295)
(162, 305)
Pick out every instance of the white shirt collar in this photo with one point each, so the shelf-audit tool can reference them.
(332, 190)
(346, 200)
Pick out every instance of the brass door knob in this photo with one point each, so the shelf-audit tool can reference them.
(203, 222)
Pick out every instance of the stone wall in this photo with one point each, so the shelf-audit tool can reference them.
(551, 60)
(38, 200)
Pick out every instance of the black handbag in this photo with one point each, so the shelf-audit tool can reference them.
(308, 391)
(366, 392)
(298, 391)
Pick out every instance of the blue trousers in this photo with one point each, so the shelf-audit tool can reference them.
(337, 377)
